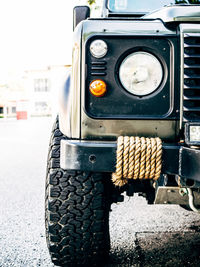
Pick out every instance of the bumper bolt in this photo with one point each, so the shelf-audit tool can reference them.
(183, 192)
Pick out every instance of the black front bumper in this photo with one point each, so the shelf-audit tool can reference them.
(101, 157)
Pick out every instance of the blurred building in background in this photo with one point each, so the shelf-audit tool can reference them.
(12, 91)
(32, 92)
(43, 88)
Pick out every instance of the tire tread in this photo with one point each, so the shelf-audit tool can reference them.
(76, 212)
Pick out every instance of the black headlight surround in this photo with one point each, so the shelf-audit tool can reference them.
(152, 52)
(118, 103)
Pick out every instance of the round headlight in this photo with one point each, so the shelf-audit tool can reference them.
(98, 48)
(141, 73)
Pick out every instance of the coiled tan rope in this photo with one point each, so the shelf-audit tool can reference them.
(137, 158)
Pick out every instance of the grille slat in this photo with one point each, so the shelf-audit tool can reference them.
(191, 46)
(192, 109)
(98, 73)
(190, 66)
(192, 76)
(191, 87)
(191, 56)
(191, 98)
(98, 63)
(98, 68)
(191, 90)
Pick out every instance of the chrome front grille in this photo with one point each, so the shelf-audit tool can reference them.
(191, 74)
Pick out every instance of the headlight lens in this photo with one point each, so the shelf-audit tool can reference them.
(98, 48)
(141, 73)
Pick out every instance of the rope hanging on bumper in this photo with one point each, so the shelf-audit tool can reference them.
(137, 158)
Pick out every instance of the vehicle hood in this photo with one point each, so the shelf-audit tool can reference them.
(178, 13)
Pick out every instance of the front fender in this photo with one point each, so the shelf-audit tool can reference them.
(70, 113)
(65, 107)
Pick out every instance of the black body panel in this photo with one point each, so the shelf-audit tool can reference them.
(101, 156)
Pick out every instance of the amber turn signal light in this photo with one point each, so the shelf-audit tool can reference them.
(98, 88)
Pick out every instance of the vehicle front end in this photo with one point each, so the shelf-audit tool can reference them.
(150, 68)
(129, 121)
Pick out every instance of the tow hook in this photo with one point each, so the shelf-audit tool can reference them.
(188, 191)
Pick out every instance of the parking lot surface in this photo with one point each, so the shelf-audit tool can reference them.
(141, 235)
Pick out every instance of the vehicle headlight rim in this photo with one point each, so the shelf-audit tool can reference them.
(158, 60)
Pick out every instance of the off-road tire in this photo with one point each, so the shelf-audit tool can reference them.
(76, 212)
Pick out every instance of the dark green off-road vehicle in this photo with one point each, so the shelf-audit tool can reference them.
(129, 121)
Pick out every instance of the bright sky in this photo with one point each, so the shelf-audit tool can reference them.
(35, 33)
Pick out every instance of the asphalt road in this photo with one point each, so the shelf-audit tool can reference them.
(141, 235)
